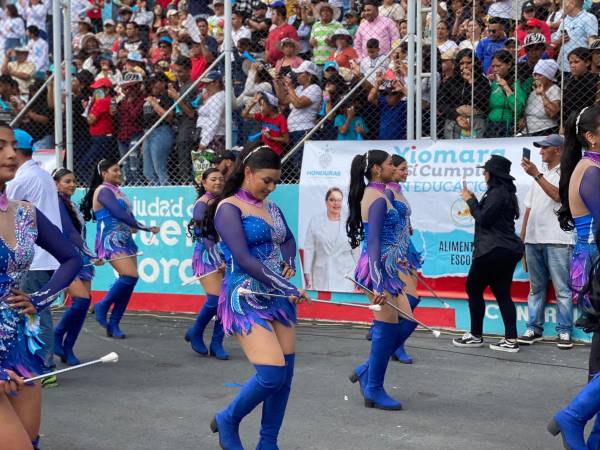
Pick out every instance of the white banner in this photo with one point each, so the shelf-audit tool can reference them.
(441, 220)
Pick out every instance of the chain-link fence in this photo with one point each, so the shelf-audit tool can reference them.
(331, 72)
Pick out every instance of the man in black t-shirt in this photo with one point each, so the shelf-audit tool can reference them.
(259, 25)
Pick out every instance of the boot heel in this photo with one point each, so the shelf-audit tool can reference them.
(353, 378)
(187, 338)
(369, 403)
(213, 425)
(553, 427)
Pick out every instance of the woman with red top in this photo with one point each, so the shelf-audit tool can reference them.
(100, 120)
(344, 52)
(273, 124)
(95, 14)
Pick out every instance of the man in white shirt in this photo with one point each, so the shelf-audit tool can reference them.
(547, 247)
(38, 49)
(35, 185)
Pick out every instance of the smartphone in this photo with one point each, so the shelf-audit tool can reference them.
(526, 154)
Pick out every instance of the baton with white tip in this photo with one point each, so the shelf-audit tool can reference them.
(117, 258)
(110, 358)
(244, 291)
(198, 278)
(420, 278)
(436, 333)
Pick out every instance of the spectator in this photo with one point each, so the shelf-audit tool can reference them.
(133, 42)
(108, 70)
(502, 9)
(82, 94)
(159, 20)
(100, 122)
(377, 27)
(159, 143)
(201, 56)
(84, 29)
(108, 37)
(259, 80)
(38, 51)
(530, 24)
(448, 67)
(344, 52)
(121, 36)
(290, 59)
(21, 69)
(304, 100)
(274, 129)
(94, 13)
(238, 29)
(130, 110)
(392, 10)
(259, 25)
(38, 120)
(389, 96)
(535, 46)
(211, 113)
(580, 85)
(576, 28)
(215, 22)
(444, 43)
(280, 30)
(303, 27)
(543, 105)
(372, 60)
(12, 27)
(322, 31)
(595, 50)
(124, 14)
(185, 139)
(547, 248)
(350, 126)
(9, 90)
(472, 35)
(352, 20)
(333, 90)
(507, 96)
(164, 50)
(224, 162)
(34, 13)
(143, 18)
(487, 48)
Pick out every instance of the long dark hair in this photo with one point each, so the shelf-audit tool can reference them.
(506, 57)
(360, 169)
(192, 225)
(509, 185)
(86, 206)
(575, 128)
(57, 175)
(256, 159)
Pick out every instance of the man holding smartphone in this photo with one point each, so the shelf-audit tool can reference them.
(547, 247)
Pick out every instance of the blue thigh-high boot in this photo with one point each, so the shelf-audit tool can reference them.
(126, 287)
(216, 343)
(593, 442)
(266, 382)
(195, 332)
(114, 293)
(571, 420)
(383, 344)
(406, 329)
(60, 330)
(274, 409)
(75, 318)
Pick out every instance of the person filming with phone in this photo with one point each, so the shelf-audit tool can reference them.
(547, 247)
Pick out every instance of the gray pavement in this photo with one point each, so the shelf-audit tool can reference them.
(161, 395)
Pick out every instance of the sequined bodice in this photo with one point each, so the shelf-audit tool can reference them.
(104, 214)
(586, 229)
(388, 230)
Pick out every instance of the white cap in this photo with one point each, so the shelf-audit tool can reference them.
(546, 68)
(307, 66)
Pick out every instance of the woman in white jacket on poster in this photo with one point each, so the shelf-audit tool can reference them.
(327, 252)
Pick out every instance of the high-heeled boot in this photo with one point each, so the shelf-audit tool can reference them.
(116, 291)
(274, 409)
(128, 285)
(406, 329)
(59, 332)
(266, 382)
(361, 374)
(593, 442)
(383, 344)
(216, 343)
(570, 421)
(194, 334)
(78, 310)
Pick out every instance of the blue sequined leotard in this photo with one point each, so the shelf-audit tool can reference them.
(77, 238)
(207, 256)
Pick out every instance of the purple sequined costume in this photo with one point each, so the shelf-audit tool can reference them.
(377, 267)
(77, 238)
(115, 221)
(254, 252)
(19, 334)
(207, 256)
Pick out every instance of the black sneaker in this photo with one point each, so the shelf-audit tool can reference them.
(564, 341)
(530, 337)
(468, 340)
(504, 345)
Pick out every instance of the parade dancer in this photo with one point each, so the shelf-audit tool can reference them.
(260, 251)
(109, 206)
(580, 210)
(22, 226)
(374, 221)
(73, 228)
(410, 259)
(208, 265)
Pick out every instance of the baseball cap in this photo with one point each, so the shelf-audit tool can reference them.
(211, 76)
(306, 66)
(22, 50)
(109, 22)
(24, 139)
(261, 5)
(553, 140)
(166, 39)
(331, 65)
(270, 98)
(102, 82)
(222, 156)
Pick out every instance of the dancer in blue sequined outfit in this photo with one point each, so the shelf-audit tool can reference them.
(260, 252)
(579, 190)
(410, 260)
(73, 227)
(109, 206)
(22, 227)
(208, 265)
(373, 220)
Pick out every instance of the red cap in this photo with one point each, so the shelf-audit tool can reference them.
(102, 82)
(533, 22)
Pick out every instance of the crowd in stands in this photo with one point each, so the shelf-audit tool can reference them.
(505, 68)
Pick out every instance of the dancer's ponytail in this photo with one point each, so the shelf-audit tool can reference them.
(575, 128)
(359, 170)
(86, 206)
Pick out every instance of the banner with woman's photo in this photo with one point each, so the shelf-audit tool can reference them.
(443, 227)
